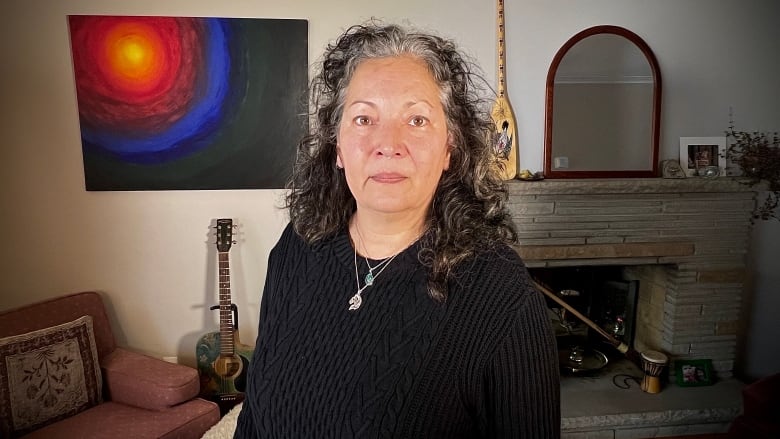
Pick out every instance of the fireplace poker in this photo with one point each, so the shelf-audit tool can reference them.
(623, 348)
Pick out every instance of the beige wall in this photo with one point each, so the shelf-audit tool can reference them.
(150, 253)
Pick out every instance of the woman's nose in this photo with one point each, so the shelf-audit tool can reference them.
(389, 142)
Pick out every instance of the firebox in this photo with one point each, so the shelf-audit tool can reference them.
(603, 294)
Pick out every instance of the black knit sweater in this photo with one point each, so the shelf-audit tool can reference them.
(482, 364)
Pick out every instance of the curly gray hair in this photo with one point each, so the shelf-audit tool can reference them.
(467, 211)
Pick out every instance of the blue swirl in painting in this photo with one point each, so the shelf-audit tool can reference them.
(188, 103)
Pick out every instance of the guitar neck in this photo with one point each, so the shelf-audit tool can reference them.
(227, 343)
(501, 51)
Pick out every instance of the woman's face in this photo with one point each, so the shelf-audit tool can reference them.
(393, 139)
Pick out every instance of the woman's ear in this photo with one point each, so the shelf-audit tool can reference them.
(450, 148)
(339, 163)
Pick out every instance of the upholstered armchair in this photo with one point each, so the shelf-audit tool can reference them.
(760, 409)
(62, 375)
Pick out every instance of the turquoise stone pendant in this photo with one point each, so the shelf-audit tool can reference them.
(369, 278)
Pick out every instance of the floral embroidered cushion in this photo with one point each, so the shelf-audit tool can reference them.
(48, 375)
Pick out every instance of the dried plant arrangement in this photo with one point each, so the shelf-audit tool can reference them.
(757, 155)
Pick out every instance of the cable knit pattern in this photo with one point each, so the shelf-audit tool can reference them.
(483, 364)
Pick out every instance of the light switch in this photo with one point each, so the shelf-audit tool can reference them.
(561, 162)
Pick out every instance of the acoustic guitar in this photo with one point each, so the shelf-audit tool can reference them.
(223, 360)
(505, 138)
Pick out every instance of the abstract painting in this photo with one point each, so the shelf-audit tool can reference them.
(183, 103)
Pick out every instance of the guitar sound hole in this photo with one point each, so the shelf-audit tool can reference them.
(228, 367)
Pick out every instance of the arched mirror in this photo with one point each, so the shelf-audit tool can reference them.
(603, 107)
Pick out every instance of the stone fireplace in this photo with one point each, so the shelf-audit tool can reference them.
(684, 240)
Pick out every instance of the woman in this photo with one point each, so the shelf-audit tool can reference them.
(393, 306)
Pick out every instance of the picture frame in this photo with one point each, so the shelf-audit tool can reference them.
(693, 373)
(188, 103)
(702, 156)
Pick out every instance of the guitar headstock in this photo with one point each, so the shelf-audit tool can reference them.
(224, 234)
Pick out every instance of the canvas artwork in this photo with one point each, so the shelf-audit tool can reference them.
(175, 103)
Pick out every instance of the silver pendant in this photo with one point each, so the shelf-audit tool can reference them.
(355, 301)
(369, 278)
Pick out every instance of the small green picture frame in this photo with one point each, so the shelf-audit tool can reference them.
(692, 373)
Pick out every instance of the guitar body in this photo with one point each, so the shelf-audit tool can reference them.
(505, 141)
(222, 377)
(223, 361)
(221, 374)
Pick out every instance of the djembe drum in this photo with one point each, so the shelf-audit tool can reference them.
(653, 363)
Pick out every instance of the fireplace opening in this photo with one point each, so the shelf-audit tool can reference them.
(606, 295)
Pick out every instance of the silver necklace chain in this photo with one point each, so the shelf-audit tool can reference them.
(369, 279)
(370, 276)
(357, 300)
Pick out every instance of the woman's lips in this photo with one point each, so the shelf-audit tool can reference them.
(387, 177)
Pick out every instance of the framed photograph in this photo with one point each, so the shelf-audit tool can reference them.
(703, 156)
(690, 373)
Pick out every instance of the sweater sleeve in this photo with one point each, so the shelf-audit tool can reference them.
(521, 382)
(245, 425)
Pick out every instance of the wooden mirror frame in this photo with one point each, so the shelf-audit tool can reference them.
(549, 172)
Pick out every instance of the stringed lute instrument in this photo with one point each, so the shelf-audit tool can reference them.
(222, 359)
(505, 138)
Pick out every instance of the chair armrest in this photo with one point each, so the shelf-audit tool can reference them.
(146, 382)
(761, 399)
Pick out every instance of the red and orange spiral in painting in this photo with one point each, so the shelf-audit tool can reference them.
(166, 98)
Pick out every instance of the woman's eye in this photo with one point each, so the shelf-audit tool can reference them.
(362, 120)
(418, 121)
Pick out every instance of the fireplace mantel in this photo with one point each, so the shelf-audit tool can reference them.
(627, 185)
(601, 251)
